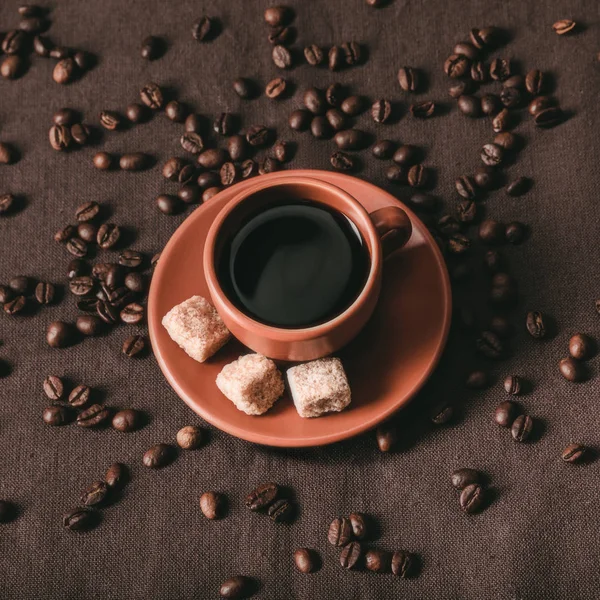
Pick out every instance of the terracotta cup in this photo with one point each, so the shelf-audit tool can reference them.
(383, 231)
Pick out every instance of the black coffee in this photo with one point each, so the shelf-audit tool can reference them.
(295, 264)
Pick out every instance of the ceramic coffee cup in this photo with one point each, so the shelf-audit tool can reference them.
(383, 231)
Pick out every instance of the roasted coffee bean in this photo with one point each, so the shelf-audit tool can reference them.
(352, 53)
(169, 205)
(502, 121)
(282, 151)
(469, 106)
(306, 560)
(383, 149)
(340, 532)
(81, 519)
(102, 161)
(194, 123)
(249, 168)
(152, 47)
(335, 94)
(207, 179)
(358, 521)
(535, 82)
(282, 57)
(479, 71)
(268, 165)
(314, 55)
(500, 69)
(489, 345)
(20, 284)
(515, 81)
(132, 314)
(56, 415)
(225, 124)
(229, 174)
(465, 186)
(281, 35)
(281, 510)
(258, 135)
(424, 202)
(203, 29)
(353, 105)
(6, 294)
(276, 16)
(485, 177)
(65, 116)
(466, 49)
(351, 139)
(564, 26)
(574, 453)
(336, 119)
(134, 346)
(127, 420)
(549, 117)
(135, 282)
(448, 225)
(88, 324)
(237, 587)
(158, 456)
(276, 88)
(7, 201)
(212, 505)
(96, 494)
(521, 428)
(490, 104)
(53, 387)
(320, 128)
(244, 88)
(116, 476)
(491, 232)
(83, 60)
(110, 120)
(461, 478)
(381, 111)
(457, 65)
(513, 385)
(131, 258)
(537, 105)
(461, 88)
(59, 334)
(422, 110)
(64, 71)
(408, 78)
(402, 564)
(351, 555)
(82, 285)
(581, 346)
(212, 158)
(12, 67)
(511, 97)
(505, 413)
(397, 173)
(136, 113)
(341, 161)
(190, 437)
(108, 235)
(152, 96)
(262, 496)
(210, 192)
(516, 232)
(42, 46)
(417, 176)
(386, 436)
(314, 100)
(299, 120)
(93, 416)
(466, 211)
(471, 498)
(406, 155)
(108, 313)
(378, 561)
(136, 161)
(335, 58)
(77, 247)
(14, 42)
(571, 369)
(442, 414)
(80, 133)
(477, 380)
(237, 147)
(60, 137)
(509, 141)
(87, 211)
(492, 155)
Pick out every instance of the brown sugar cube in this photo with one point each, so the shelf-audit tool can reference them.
(196, 327)
(252, 382)
(319, 387)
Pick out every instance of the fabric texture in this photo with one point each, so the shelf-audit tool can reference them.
(539, 538)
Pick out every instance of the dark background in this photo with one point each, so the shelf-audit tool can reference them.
(538, 539)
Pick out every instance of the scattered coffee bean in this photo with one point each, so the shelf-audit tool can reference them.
(466, 49)
(299, 120)
(335, 94)
(276, 88)
(134, 346)
(460, 88)
(469, 106)
(500, 69)
(352, 53)
(378, 561)
(320, 128)
(81, 519)
(268, 165)
(108, 313)
(549, 117)
(342, 161)
(442, 414)
(133, 313)
(7, 202)
(564, 26)
(513, 385)
(169, 205)
(417, 176)
(152, 47)
(492, 155)
(402, 564)
(572, 370)
(314, 100)
(465, 186)
(490, 345)
(77, 247)
(59, 334)
(56, 415)
(212, 505)
(190, 437)
(581, 346)
(458, 243)
(225, 124)
(502, 121)
(521, 428)
(89, 325)
(477, 380)
(335, 58)
(60, 137)
(314, 55)
(422, 110)
(353, 105)
(262, 496)
(258, 135)
(209, 193)
(408, 78)
(212, 158)
(336, 119)
(466, 211)
(535, 322)
(479, 71)
(386, 436)
(53, 387)
(340, 532)
(110, 120)
(383, 149)
(516, 232)
(511, 97)
(64, 71)
(491, 232)
(505, 413)
(306, 560)
(539, 104)
(456, 66)
(351, 139)
(136, 161)
(461, 478)
(208, 179)
(574, 453)
(244, 88)
(281, 510)
(535, 82)
(95, 494)
(116, 476)
(127, 420)
(381, 111)
(158, 456)
(108, 235)
(79, 396)
(397, 174)
(351, 555)
(80, 133)
(152, 96)
(282, 57)
(93, 416)
(358, 521)
(237, 587)
(102, 161)
(42, 46)
(471, 498)
(490, 105)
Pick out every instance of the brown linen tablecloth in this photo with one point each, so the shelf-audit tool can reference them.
(540, 536)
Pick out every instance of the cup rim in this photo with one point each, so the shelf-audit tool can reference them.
(233, 313)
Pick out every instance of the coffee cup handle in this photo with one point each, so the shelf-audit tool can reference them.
(393, 226)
